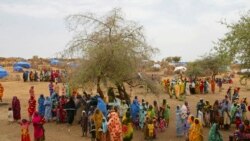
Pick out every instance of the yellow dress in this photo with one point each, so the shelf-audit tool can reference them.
(151, 130)
(195, 132)
(177, 90)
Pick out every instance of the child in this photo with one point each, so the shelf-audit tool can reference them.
(150, 129)
(84, 123)
(104, 129)
(162, 124)
(10, 115)
(237, 122)
(25, 136)
(92, 130)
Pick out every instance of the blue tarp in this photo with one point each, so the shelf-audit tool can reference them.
(3, 73)
(23, 64)
(54, 62)
(18, 68)
(101, 105)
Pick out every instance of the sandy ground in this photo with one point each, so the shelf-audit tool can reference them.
(62, 132)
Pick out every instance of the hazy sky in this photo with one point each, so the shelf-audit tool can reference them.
(184, 28)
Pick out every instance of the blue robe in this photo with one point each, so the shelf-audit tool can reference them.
(48, 109)
(135, 107)
(101, 105)
(41, 107)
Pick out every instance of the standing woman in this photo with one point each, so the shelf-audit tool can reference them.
(41, 107)
(70, 108)
(115, 127)
(214, 134)
(179, 123)
(48, 109)
(1, 92)
(39, 131)
(213, 86)
(97, 118)
(32, 107)
(16, 108)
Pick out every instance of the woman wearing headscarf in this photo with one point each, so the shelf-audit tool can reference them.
(48, 109)
(38, 122)
(97, 118)
(70, 108)
(32, 106)
(16, 108)
(195, 131)
(214, 134)
(115, 127)
(41, 107)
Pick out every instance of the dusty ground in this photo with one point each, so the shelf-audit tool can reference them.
(61, 132)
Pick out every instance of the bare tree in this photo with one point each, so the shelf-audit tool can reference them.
(111, 49)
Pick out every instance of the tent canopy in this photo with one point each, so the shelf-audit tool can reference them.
(3, 73)
(181, 68)
(18, 68)
(54, 62)
(23, 65)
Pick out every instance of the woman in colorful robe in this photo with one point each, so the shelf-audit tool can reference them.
(25, 135)
(38, 122)
(127, 128)
(97, 118)
(48, 109)
(16, 108)
(32, 106)
(214, 134)
(41, 107)
(177, 90)
(115, 127)
(213, 86)
(195, 131)
(1, 92)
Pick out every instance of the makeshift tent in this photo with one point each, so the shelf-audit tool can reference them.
(54, 62)
(23, 64)
(18, 68)
(181, 68)
(3, 73)
(157, 66)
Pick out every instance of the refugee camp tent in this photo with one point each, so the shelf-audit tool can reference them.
(181, 68)
(18, 68)
(23, 64)
(3, 73)
(54, 62)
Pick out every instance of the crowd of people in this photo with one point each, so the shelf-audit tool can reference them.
(44, 76)
(180, 87)
(102, 121)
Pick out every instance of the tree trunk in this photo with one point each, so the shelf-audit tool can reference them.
(122, 92)
(99, 90)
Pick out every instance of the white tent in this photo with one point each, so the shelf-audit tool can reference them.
(181, 68)
(157, 66)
